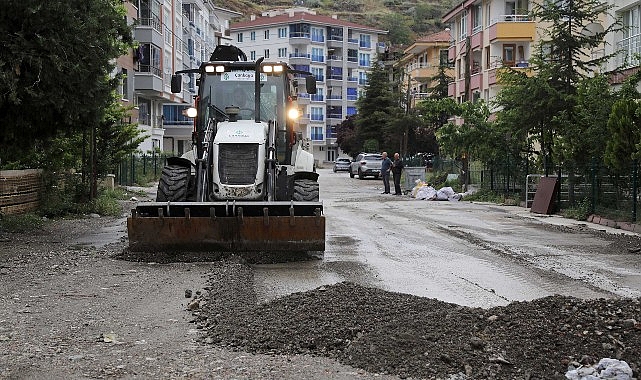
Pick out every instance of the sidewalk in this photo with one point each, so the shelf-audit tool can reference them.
(594, 221)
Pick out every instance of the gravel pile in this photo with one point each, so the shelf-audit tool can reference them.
(415, 337)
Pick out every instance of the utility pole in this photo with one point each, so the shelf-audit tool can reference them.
(407, 112)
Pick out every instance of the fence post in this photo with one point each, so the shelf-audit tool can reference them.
(635, 169)
(133, 170)
(155, 164)
(144, 164)
(594, 188)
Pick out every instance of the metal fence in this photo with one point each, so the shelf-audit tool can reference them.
(140, 169)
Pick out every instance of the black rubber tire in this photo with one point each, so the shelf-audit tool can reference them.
(351, 175)
(305, 190)
(174, 184)
(360, 174)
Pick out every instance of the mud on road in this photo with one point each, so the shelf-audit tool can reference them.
(70, 308)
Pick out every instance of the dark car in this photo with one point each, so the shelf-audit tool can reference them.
(342, 164)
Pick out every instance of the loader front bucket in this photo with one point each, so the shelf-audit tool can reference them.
(227, 227)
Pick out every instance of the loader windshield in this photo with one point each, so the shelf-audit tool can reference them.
(237, 88)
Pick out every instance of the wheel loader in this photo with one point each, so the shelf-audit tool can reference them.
(248, 184)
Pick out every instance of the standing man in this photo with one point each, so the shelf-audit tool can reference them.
(386, 165)
(397, 168)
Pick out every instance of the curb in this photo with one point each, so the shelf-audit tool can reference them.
(632, 227)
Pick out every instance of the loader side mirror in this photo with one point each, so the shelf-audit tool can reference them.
(310, 84)
(176, 83)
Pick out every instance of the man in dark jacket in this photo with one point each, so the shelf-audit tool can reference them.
(397, 168)
(385, 169)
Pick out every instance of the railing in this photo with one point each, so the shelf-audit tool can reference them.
(335, 38)
(353, 41)
(319, 78)
(352, 59)
(317, 136)
(365, 44)
(153, 22)
(334, 116)
(364, 63)
(423, 65)
(150, 69)
(316, 98)
(317, 117)
(362, 82)
(627, 49)
(335, 77)
(352, 97)
(334, 58)
(334, 97)
(299, 55)
(510, 18)
(352, 79)
(299, 35)
(318, 58)
(318, 38)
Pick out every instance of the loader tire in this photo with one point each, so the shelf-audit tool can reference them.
(305, 190)
(174, 184)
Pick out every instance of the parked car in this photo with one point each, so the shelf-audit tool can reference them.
(342, 164)
(366, 164)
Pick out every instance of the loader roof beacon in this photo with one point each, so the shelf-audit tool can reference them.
(247, 184)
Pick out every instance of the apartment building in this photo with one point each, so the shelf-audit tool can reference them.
(486, 36)
(420, 63)
(172, 35)
(338, 53)
(626, 43)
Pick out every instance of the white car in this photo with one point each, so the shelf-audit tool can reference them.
(366, 164)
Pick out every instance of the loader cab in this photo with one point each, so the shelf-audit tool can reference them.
(232, 84)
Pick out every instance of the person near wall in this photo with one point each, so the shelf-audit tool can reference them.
(386, 165)
(397, 169)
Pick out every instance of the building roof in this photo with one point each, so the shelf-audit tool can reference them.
(441, 38)
(297, 17)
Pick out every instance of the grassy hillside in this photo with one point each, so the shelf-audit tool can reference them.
(405, 19)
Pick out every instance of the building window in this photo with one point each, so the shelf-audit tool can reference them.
(267, 34)
(351, 111)
(477, 25)
(317, 134)
(317, 114)
(149, 59)
(364, 60)
(252, 55)
(125, 85)
(266, 53)
(318, 55)
(318, 35)
(318, 74)
(282, 52)
(252, 36)
(282, 32)
(239, 37)
(443, 59)
(463, 26)
(509, 51)
(365, 41)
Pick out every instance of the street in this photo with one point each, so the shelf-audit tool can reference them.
(471, 254)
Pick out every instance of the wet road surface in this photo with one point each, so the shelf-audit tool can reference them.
(470, 254)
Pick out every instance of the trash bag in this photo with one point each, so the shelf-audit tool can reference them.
(609, 369)
(426, 192)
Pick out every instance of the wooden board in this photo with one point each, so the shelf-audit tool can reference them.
(544, 197)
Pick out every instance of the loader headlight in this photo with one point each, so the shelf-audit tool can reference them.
(276, 69)
(214, 69)
(190, 112)
(293, 113)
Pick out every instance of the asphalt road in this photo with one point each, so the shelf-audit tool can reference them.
(471, 254)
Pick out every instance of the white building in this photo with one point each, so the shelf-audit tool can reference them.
(172, 35)
(338, 53)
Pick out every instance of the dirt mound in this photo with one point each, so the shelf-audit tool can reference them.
(409, 336)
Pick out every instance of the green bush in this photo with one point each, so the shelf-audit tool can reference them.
(580, 211)
(20, 223)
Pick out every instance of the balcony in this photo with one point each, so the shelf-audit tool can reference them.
(628, 49)
(335, 99)
(512, 28)
(317, 98)
(334, 80)
(315, 117)
(334, 60)
(334, 117)
(318, 137)
(423, 70)
(493, 73)
(364, 63)
(149, 79)
(352, 62)
(298, 38)
(318, 58)
(300, 58)
(335, 41)
(303, 98)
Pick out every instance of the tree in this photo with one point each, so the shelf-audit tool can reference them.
(624, 127)
(55, 57)
(400, 32)
(563, 58)
(346, 136)
(378, 109)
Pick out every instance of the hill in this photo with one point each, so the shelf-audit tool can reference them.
(405, 20)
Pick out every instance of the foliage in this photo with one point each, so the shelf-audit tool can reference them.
(399, 32)
(624, 127)
(20, 223)
(346, 136)
(586, 137)
(116, 138)
(54, 59)
(378, 110)
(427, 16)
(580, 211)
